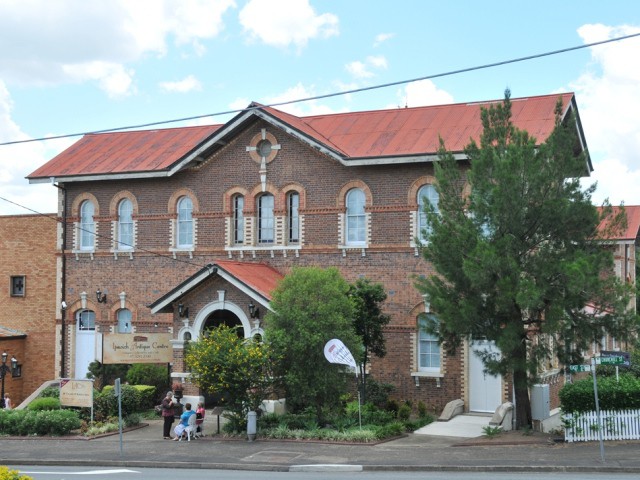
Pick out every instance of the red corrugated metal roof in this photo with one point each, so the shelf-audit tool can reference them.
(370, 134)
(259, 276)
(120, 152)
(633, 223)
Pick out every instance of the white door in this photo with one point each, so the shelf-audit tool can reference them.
(485, 391)
(85, 342)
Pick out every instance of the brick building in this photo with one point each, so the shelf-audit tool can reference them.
(28, 298)
(185, 228)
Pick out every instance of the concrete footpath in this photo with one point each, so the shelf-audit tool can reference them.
(145, 447)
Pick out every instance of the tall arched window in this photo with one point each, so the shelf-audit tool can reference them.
(427, 193)
(185, 223)
(265, 219)
(87, 226)
(428, 346)
(356, 218)
(124, 321)
(125, 225)
(293, 219)
(238, 219)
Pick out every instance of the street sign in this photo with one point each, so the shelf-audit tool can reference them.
(617, 360)
(580, 368)
(625, 355)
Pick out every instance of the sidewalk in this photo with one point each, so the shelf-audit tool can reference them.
(145, 447)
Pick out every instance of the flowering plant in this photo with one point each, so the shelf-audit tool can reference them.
(177, 386)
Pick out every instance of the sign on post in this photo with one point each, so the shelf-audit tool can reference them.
(76, 393)
(579, 368)
(142, 348)
(613, 360)
(625, 356)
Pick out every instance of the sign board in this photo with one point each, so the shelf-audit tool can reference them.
(76, 393)
(580, 368)
(617, 360)
(626, 356)
(137, 348)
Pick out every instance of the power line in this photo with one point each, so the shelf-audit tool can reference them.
(330, 95)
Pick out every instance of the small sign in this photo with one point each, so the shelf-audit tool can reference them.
(76, 393)
(625, 355)
(580, 368)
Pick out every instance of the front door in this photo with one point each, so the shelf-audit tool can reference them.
(85, 342)
(485, 390)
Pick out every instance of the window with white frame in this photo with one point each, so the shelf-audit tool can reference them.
(124, 320)
(265, 219)
(185, 223)
(293, 218)
(428, 346)
(356, 224)
(125, 225)
(238, 219)
(427, 193)
(86, 320)
(87, 226)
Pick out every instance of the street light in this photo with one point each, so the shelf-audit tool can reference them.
(4, 370)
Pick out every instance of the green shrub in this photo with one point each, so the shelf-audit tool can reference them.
(153, 375)
(41, 423)
(50, 392)
(404, 412)
(47, 403)
(106, 403)
(422, 409)
(612, 395)
(378, 393)
(6, 474)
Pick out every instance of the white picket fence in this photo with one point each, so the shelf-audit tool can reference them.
(616, 425)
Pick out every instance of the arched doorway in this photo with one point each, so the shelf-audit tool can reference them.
(85, 327)
(223, 317)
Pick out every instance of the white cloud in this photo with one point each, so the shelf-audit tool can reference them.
(377, 61)
(422, 93)
(187, 84)
(286, 22)
(360, 69)
(608, 96)
(48, 43)
(381, 38)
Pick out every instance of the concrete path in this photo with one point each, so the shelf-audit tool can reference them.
(464, 426)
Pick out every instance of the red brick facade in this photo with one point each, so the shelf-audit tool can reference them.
(28, 249)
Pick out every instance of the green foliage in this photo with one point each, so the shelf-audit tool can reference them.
(40, 423)
(404, 412)
(106, 374)
(578, 397)
(149, 374)
(50, 392)
(223, 362)
(47, 403)
(491, 431)
(106, 403)
(310, 307)
(516, 257)
(422, 409)
(378, 393)
(6, 474)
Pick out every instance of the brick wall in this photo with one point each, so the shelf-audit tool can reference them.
(28, 247)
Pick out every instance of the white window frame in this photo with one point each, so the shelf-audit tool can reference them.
(238, 219)
(125, 225)
(86, 321)
(184, 230)
(124, 316)
(427, 341)
(266, 219)
(87, 227)
(429, 193)
(355, 218)
(293, 217)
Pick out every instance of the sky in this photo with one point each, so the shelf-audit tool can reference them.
(74, 66)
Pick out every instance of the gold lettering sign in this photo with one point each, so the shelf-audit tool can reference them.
(136, 348)
(76, 393)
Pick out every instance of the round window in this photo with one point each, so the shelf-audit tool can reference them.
(264, 148)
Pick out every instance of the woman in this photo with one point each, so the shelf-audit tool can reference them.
(167, 415)
(199, 417)
(184, 421)
(7, 402)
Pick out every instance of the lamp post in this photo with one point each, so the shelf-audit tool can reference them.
(4, 370)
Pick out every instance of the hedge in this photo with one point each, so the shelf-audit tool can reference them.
(578, 397)
(41, 423)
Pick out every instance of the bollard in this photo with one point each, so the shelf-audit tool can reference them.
(252, 419)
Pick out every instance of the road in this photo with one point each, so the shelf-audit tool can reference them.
(333, 473)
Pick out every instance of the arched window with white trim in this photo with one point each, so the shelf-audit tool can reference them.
(185, 223)
(125, 225)
(265, 218)
(356, 221)
(427, 193)
(238, 219)
(87, 229)
(124, 320)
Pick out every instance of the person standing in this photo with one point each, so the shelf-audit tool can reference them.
(167, 415)
(7, 402)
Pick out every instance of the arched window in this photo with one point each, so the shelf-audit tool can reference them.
(86, 320)
(125, 225)
(427, 193)
(185, 223)
(87, 226)
(124, 321)
(356, 218)
(238, 219)
(293, 219)
(428, 346)
(265, 219)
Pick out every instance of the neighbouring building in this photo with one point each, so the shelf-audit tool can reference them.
(28, 259)
(178, 230)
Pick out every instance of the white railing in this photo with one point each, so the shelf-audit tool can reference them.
(616, 425)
